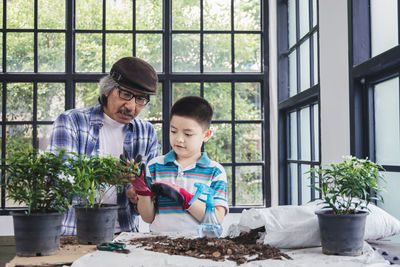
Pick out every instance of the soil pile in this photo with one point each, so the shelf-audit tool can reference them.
(240, 249)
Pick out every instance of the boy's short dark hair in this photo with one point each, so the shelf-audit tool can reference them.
(194, 107)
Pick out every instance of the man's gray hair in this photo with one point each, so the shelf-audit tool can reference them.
(107, 84)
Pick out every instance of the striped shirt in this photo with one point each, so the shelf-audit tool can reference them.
(170, 216)
(77, 130)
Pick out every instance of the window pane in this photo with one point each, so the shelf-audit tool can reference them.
(159, 131)
(185, 15)
(316, 58)
(119, 14)
(293, 136)
(228, 171)
(51, 52)
(51, 100)
(247, 53)
(19, 101)
(294, 186)
(20, 14)
(249, 185)
(19, 137)
(315, 13)
(305, 134)
(19, 52)
(219, 146)
(292, 73)
(316, 132)
(387, 132)
(1, 106)
(305, 184)
(305, 65)
(153, 110)
(184, 89)
(247, 15)
(304, 17)
(51, 14)
(1, 14)
(43, 136)
(149, 48)
(391, 194)
(89, 14)
(88, 52)
(217, 15)
(248, 142)
(148, 14)
(186, 53)
(247, 101)
(86, 94)
(1, 49)
(384, 25)
(292, 21)
(217, 53)
(219, 96)
(118, 45)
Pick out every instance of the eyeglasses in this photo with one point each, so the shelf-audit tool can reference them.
(126, 95)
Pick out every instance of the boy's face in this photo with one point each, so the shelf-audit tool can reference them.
(186, 137)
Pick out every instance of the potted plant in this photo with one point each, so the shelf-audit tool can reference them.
(346, 189)
(38, 181)
(94, 176)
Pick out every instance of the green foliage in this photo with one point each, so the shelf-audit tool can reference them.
(38, 181)
(346, 186)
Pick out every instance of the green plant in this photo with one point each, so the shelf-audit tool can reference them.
(38, 180)
(94, 177)
(349, 185)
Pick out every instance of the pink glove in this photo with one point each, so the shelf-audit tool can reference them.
(141, 184)
(173, 192)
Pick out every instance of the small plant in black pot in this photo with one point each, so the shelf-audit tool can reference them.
(39, 182)
(346, 189)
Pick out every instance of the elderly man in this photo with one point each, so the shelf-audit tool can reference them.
(111, 127)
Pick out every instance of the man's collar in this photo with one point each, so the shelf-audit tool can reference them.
(170, 158)
(96, 117)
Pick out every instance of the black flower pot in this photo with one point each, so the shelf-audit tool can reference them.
(342, 234)
(95, 225)
(37, 234)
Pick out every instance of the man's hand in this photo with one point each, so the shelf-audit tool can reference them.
(173, 192)
(131, 195)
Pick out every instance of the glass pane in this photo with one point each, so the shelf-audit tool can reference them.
(19, 137)
(217, 53)
(158, 128)
(1, 49)
(20, 14)
(88, 52)
(1, 106)
(247, 53)
(1, 14)
(19, 52)
(50, 100)
(228, 171)
(19, 101)
(247, 15)
(51, 14)
(248, 142)
(304, 16)
(153, 110)
(294, 186)
(391, 194)
(149, 48)
(119, 14)
(316, 58)
(219, 146)
(43, 136)
(292, 22)
(186, 52)
(315, 12)
(387, 129)
(149, 14)
(219, 96)
(51, 52)
(185, 15)
(305, 134)
(217, 15)
(89, 14)
(305, 184)
(293, 135)
(86, 94)
(118, 45)
(384, 25)
(292, 73)
(249, 185)
(305, 65)
(316, 131)
(247, 101)
(183, 89)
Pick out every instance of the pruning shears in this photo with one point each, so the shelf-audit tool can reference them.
(113, 246)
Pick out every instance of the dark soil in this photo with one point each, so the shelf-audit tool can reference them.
(241, 249)
(68, 240)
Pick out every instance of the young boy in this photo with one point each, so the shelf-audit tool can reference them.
(163, 198)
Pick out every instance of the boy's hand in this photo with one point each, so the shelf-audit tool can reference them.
(173, 192)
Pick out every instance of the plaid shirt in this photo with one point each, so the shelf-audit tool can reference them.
(77, 130)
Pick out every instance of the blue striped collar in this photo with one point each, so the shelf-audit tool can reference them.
(170, 158)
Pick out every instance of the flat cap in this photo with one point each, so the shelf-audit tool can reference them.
(135, 74)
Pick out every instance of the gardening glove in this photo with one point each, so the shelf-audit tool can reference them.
(173, 192)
